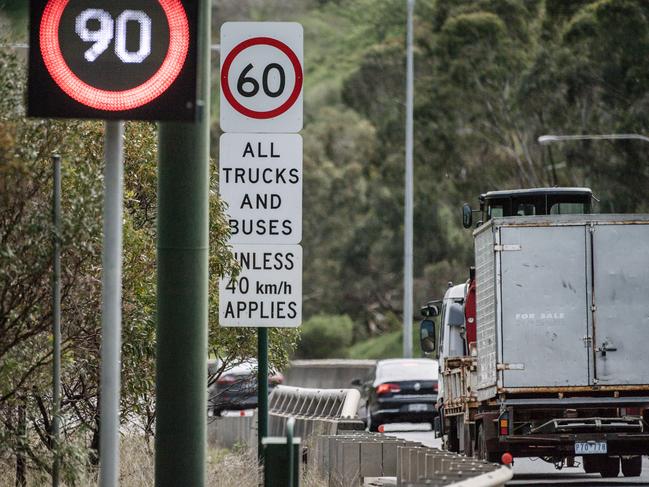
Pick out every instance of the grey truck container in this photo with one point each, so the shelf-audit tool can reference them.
(562, 301)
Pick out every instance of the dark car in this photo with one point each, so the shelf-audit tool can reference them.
(401, 391)
(236, 388)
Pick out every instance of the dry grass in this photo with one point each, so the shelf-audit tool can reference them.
(225, 468)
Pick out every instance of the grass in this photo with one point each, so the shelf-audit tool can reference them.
(225, 468)
(388, 345)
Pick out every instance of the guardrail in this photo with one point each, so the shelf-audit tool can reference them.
(346, 460)
(316, 411)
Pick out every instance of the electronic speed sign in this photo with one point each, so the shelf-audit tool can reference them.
(261, 77)
(113, 59)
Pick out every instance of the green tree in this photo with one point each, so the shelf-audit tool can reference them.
(25, 288)
(326, 336)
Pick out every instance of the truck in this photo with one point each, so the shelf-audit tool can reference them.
(543, 352)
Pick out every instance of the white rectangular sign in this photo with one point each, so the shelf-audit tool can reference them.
(268, 290)
(260, 178)
(262, 77)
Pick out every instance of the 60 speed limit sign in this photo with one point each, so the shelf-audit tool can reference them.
(261, 76)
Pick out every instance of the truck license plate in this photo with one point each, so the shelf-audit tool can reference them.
(590, 447)
(416, 408)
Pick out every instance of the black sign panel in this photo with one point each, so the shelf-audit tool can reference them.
(113, 59)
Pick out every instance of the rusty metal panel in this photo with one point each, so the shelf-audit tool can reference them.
(544, 306)
(621, 301)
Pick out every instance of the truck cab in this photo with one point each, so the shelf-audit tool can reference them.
(529, 202)
(452, 333)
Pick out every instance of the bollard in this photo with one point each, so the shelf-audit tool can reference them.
(277, 461)
(290, 451)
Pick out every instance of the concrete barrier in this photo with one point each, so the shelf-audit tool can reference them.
(328, 373)
(230, 431)
(346, 460)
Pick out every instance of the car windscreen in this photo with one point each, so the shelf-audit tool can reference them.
(407, 370)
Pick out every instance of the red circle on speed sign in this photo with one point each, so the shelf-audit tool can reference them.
(101, 99)
(225, 71)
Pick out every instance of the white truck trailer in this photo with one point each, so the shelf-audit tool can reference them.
(560, 364)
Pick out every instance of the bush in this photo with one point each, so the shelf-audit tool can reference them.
(325, 336)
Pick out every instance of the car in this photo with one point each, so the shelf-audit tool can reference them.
(236, 387)
(401, 391)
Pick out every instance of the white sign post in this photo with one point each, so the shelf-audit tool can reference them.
(260, 177)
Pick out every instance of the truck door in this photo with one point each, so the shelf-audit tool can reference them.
(621, 303)
(545, 313)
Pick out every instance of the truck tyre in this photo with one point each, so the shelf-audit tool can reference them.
(591, 463)
(468, 442)
(483, 453)
(452, 440)
(372, 424)
(632, 466)
(610, 467)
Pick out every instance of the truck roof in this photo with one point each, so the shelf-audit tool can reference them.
(456, 292)
(536, 191)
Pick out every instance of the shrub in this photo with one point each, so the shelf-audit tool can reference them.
(325, 336)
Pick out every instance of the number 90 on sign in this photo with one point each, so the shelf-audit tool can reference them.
(118, 59)
(103, 36)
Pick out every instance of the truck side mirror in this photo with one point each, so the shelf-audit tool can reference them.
(467, 216)
(427, 336)
(430, 310)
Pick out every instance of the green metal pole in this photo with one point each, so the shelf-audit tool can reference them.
(262, 389)
(183, 215)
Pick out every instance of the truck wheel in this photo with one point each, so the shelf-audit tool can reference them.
(610, 467)
(483, 453)
(372, 423)
(591, 463)
(452, 440)
(468, 442)
(632, 466)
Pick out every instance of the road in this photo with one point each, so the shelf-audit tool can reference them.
(529, 471)
(540, 473)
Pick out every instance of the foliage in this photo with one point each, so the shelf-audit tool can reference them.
(325, 336)
(26, 237)
(490, 77)
(386, 345)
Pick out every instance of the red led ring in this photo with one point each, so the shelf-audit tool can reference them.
(225, 70)
(114, 100)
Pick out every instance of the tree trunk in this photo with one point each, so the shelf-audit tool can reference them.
(21, 460)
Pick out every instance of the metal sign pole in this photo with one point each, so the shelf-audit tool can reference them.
(262, 389)
(407, 238)
(111, 309)
(56, 316)
(182, 253)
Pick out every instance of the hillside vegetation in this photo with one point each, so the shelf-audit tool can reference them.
(490, 77)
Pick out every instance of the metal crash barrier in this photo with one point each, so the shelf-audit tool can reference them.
(316, 411)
